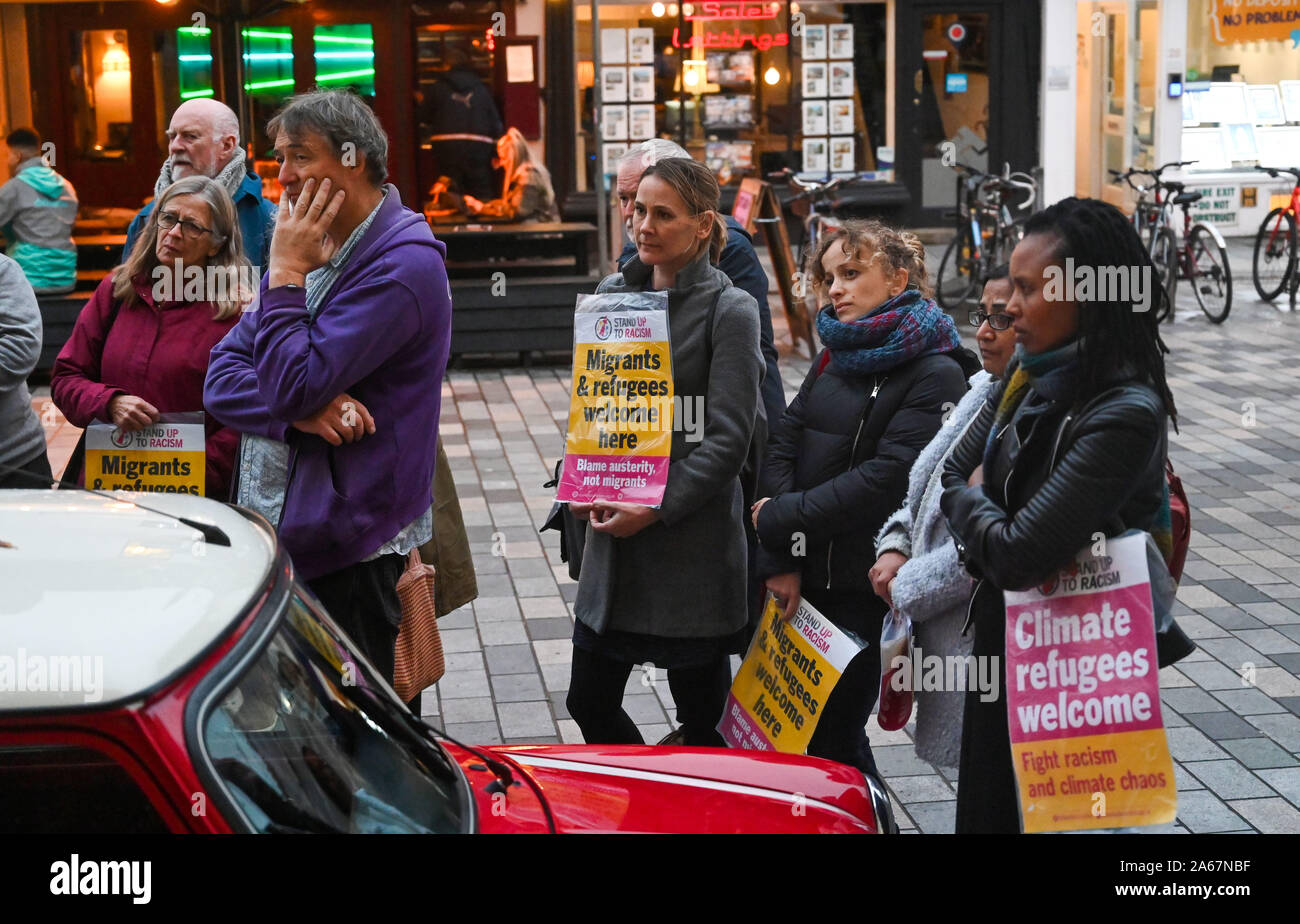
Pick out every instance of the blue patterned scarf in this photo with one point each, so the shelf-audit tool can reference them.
(903, 328)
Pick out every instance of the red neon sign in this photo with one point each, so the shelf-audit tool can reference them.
(734, 9)
(733, 39)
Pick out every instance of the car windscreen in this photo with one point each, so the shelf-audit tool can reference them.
(305, 740)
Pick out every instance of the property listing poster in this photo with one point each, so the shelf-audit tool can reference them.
(167, 457)
(621, 404)
(1083, 699)
(784, 681)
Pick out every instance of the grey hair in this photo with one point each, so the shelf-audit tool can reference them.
(226, 123)
(341, 118)
(651, 152)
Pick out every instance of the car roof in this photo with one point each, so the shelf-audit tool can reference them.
(101, 600)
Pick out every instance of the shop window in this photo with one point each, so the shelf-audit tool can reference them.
(954, 108)
(102, 94)
(729, 83)
(345, 58)
(268, 81)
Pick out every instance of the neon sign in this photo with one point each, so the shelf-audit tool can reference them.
(733, 39)
(722, 9)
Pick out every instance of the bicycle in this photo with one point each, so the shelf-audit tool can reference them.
(1274, 266)
(1201, 257)
(813, 196)
(1157, 238)
(987, 231)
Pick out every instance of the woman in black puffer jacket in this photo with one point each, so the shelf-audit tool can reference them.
(1027, 488)
(871, 402)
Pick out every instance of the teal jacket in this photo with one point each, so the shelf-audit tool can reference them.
(256, 218)
(37, 211)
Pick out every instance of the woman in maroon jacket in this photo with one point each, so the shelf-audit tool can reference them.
(140, 347)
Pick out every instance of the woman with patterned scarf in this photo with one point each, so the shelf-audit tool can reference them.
(893, 365)
(1071, 445)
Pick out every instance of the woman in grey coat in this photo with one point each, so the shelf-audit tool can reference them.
(916, 570)
(667, 585)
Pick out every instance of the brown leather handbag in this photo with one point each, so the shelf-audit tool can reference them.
(417, 657)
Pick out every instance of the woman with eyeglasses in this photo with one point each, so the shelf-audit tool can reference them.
(916, 570)
(140, 346)
(1070, 445)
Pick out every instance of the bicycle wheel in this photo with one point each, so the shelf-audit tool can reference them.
(1275, 247)
(956, 279)
(1164, 254)
(1211, 276)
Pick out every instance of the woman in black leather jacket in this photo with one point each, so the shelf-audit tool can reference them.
(1027, 488)
(838, 466)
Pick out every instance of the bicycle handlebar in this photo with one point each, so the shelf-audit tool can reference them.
(1274, 171)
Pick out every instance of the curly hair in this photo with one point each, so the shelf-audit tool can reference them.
(901, 251)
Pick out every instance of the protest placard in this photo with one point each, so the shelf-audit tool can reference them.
(621, 406)
(784, 681)
(167, 457)
(1083, 696)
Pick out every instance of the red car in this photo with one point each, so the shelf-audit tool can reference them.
(161, 670)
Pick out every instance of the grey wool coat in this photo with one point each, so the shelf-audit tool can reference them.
(932, 588)
(684, 575)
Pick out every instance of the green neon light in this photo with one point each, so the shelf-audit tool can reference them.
(195, 94)
(345, 40)
(191, 58)
(341, 55)
(197, 31)
(346, 75)
(268, 56)
(284, 36)
(269, 84)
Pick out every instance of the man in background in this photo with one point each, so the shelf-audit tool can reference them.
(203, 138)
(37, 211)
(463, 127)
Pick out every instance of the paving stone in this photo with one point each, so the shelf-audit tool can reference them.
(1283, 727)
(1220, 726)
(1190, 744)
(1184, 781)
(469, 709)
(644, 708)
(1210, 675)
(495, 609)
(510, 659)
(459, 639)
(475, 732)
(1262, 754)
(1191, 700)
(1277, 682)
(569, 732)
(1204, 813)
(503, 633)
(1267, 641)
(1248, 702)
(899, 760)
(1228, 779)
(930, 788)
(1291, 703)
(1273, 613)
(554, 651)
(1232, 651)
(1231, 618)
(556, 676)
(526, 719)
(461, 684)
(509, 688)
(1269, 816)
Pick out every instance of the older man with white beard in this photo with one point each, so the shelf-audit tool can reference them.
(203, 138)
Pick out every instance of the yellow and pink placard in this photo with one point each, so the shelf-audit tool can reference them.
(1083, 696)
(782, 686)
(621, 404)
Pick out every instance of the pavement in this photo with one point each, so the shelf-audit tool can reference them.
(1231, 709)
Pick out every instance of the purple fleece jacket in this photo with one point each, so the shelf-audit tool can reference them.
(382, 335)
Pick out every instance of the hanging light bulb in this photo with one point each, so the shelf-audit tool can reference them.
(692, 77)
(794, 8)
(672, 9)
(657, 9)
(771, 76)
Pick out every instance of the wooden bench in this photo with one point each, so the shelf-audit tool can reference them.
(535, 314)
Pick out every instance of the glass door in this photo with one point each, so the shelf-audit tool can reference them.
(947, 103)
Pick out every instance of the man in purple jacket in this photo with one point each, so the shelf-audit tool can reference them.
(334, 376)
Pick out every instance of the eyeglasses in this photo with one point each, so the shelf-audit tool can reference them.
(996, 321)
(190, 229)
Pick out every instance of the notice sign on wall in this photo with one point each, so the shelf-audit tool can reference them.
(782, 686)
(621, 405)
(165, 458)
(1083, 697)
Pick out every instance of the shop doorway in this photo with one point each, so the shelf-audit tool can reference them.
(1115, 127)
(967, 93)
